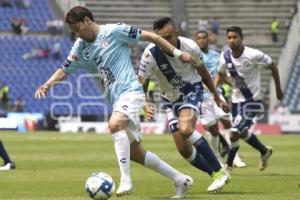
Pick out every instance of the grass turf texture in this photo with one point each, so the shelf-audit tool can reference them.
(55, 166)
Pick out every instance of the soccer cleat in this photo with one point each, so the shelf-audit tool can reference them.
(220, 178)
(182, 188)
(264, 158)
(125, 188)
(237, 162)
(8, 166)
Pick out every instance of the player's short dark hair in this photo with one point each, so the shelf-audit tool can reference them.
(235, 29)
(161, 22)
(204, 32)
(77, 14)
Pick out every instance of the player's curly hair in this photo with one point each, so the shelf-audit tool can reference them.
(77, 14)
(235, 29)
(161, 22)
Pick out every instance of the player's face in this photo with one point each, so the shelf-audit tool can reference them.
(83, 30)
(168, 33)
(234, 40)
(202, 40)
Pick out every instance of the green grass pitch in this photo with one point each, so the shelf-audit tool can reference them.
(55, 166)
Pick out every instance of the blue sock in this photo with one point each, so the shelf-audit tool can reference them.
(255, 143)
(3, 153)
(204, 149)
(231, 155)
(200, 163)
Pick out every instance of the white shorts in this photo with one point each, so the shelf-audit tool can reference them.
(211, 113)
(130, 104)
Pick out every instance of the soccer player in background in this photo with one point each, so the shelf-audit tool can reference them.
(8, 164)
(181, 85)
(103, 51)
(243, 64)
(211, 113)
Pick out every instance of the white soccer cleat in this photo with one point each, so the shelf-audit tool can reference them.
(182, 187)
(264, 159)
(125, 188)
(220, 178)
(8, 166)
(237, 162)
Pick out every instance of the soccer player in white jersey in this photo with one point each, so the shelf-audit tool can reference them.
(103, 51)
(181, 85)
(211, 113)
(243, 64)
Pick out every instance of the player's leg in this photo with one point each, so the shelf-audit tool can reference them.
(186, 127)
(185, 149)
(117, 125)
(8, 164)
(238, 162)
(152, 161)
(210, 122)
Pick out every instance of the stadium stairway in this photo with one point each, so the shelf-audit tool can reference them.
(292, 90)
(140, 13)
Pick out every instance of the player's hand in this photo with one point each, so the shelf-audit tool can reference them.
(41, 92)
(280, 94)
(222, 104)
(185, 57)
(149, 111)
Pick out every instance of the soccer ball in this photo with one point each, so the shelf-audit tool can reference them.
(100, 186)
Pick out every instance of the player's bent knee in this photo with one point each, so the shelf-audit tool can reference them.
(115, 127)
(185, 129)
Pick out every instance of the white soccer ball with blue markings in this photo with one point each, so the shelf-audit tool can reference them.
(100, 186)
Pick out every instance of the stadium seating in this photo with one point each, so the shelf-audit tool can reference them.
(292, 90)
(36, 15)
(24, 76)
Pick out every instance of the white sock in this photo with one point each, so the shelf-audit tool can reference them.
(193, 155)
(214, 143)
(122, 149)
(226, 133)
(153, 162)
(194, 137)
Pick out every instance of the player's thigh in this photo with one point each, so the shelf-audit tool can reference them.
(208, 117)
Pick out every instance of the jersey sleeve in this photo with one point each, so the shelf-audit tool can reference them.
(263, 59)
(127, 34)
(222, 64)
(146, 64)
(196, 52)
(72, 63)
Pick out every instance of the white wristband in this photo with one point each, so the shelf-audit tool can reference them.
(176, 53)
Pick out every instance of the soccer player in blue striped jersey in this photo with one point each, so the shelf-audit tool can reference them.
(103, 51)
(211, 113)
(242, 65)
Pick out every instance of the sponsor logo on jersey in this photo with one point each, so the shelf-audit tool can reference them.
(164, 66)
(74, 57)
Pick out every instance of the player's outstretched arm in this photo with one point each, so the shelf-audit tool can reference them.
(207, 80)
(166, 46)
(276, 77)
(58, 76)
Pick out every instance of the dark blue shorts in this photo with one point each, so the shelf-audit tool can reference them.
(193, 100)
(244, 114)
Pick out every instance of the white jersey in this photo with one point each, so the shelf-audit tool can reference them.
(246, 82)
(184, 72)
